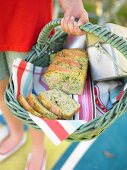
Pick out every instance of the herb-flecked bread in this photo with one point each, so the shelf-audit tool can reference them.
(37, 106)
(68, 71)
(23, 102)
(59, 103)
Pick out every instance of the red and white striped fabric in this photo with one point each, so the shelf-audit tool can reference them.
(28, 78)
(107, 94)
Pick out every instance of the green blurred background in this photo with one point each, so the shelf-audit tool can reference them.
(103, 11)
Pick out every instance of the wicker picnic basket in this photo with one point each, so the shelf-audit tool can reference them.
(39, 56)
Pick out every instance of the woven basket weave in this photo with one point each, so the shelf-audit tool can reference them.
(39, 56)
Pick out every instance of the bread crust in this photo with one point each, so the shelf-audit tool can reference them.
(23, 102)
(37, 106)
(75, 52)
(59, 60)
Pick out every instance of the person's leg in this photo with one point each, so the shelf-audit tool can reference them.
(37, 137)
(38, 150)
(15, 126)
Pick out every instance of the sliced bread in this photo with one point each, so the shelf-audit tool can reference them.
(23, 102)
(37, 106)
(59, 103)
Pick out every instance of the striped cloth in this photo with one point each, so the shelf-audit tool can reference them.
(108, 93)
(28, 78)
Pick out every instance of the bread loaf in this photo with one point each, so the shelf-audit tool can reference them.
(68, 71)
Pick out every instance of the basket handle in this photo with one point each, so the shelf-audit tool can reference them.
(104, 34)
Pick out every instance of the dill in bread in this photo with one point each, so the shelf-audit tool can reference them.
(59, 103)
(68, 71)
(37, 106)
(24, 103)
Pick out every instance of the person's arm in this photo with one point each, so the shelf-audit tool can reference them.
(73, 9)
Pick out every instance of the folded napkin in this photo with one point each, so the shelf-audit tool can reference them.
(107, 93)
(106, 62)
(28, 78)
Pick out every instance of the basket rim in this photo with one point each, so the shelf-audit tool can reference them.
(95, 126)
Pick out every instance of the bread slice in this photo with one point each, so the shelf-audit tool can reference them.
(59, 103)
(23, 102)
(37, 106)
(68, 71)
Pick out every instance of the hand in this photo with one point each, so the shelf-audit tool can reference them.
(74, 11)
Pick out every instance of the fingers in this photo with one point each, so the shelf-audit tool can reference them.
(69, 25)
(84, 19)
(77, 30)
